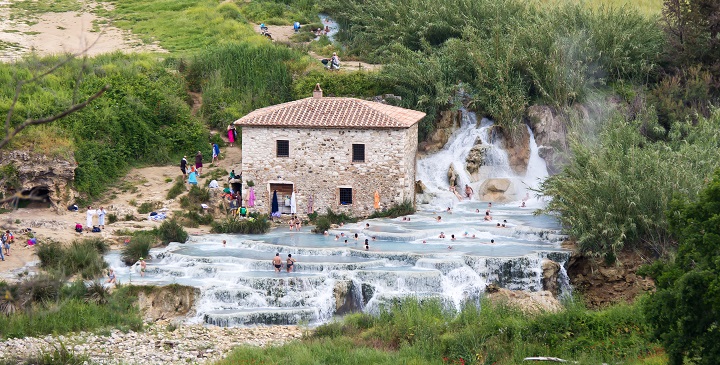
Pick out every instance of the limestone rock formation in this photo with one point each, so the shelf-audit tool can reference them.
(528, 302)
(550, 270)
(476, 159)
(345, 298)
(40, 174)
(494, 189)
(448, 123)
(420, 187)
(550, 134)
(165, 302)
(452, 175)
(518, 150)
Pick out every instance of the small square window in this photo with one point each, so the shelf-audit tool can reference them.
(345, 196)
(358, 153)
(283, 148)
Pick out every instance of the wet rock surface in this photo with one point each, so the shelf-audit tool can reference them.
(160, 343)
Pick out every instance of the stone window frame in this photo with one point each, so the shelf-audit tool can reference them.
(285, 148)
(344, 189)
(353, 152)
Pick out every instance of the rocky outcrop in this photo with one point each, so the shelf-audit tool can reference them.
(602, 284)
(494, 190)
(476, 159)
(346, 298)
(447, 124)
(550, 135)
(420, 187)
(163, 302)
(528, 302)
(550, 271)
(517, 146)
(452, 175)
(26, 172)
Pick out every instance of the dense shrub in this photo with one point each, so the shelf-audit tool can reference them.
(139, 246)
(84, 257)
(616, 190)
(171, 231)
(684, 310)
(397, 210)
(238, 78)
(553, 55)
(148, 207)
(252, 225)
(322, 224)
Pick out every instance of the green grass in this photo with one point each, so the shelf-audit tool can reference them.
(177, 188)
(81, 256)
(411, 332)
(26, 8)
(183, 26)
(69, 313)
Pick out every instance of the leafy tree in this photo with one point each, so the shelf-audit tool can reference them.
(685, 310)
(692, 28)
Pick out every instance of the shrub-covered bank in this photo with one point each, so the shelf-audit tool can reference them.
(142, 119)
(424, 333)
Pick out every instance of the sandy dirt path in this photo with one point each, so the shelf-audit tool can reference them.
(68, 32)
(282, 34)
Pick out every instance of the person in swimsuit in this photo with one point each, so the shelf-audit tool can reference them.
(367, 245)
(277, 262)
(111, 277)
(143, 267)
(290, 263)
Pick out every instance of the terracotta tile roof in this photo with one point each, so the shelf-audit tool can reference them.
(329, 112)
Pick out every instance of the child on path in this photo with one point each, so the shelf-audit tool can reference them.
(215, 152)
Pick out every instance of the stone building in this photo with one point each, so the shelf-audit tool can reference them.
(335, 152)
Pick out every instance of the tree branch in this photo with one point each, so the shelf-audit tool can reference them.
(29, 122)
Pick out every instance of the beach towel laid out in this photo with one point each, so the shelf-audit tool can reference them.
(157, 216)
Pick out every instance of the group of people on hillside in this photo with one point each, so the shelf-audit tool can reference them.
(6, 238)
(89, 218)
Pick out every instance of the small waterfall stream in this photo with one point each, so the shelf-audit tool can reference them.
(407, 256)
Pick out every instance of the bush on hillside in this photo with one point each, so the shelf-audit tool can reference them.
(143, 118)
(252, 225)
(82, 256)
(171, 231)
(615, 191)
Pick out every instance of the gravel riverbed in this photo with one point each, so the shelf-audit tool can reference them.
(160, 343)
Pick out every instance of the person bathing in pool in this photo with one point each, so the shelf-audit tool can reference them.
(277, 262)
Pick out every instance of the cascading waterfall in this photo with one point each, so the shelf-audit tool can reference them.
(239, 286)
(433, 170)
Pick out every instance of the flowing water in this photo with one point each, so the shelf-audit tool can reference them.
(406, 257)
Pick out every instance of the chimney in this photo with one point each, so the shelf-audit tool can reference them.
(317, 93)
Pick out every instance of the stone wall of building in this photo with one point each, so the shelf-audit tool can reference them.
(320, 163)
